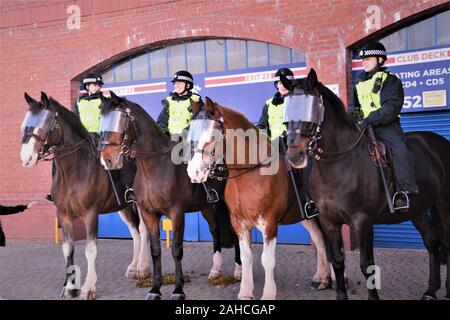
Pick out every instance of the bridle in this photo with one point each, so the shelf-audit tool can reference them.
(216, 170)
(295, 132)
(125, 142)
(42, 136)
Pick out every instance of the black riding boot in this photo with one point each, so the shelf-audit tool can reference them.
(309, 206)
(127, 175)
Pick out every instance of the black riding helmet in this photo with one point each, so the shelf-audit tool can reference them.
(373, 49)
(285, 72)
(92, 77)
(184, 76)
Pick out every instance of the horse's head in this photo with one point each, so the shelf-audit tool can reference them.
(303, 115)
(205, 132)
(116, 133)
(40, 130)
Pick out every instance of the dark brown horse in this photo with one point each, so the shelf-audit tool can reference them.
(162, 186)
(347, 186)
(258, 191)
(80, 188)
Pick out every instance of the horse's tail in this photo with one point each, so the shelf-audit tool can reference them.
(436, 224)
(223, 221)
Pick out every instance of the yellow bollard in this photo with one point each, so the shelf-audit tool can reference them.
(56, 232)
(167, 227)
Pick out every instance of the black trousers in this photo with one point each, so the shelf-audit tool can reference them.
(403, 161)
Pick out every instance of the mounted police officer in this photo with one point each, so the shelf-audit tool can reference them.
(176, 116)
(377, 102)
(272, 120)
(176, 113)
(87, 108)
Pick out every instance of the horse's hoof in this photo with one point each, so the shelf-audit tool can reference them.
(178, 296)
(213, 275)
(153, 296)
(341, 296)
(428, 297)
(237, 272)
(88, 294)
(131, 273)
(143, 273)
(69, 293)
(318, 286)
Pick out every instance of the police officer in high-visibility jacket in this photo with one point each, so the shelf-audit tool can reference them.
(87, 107)
(176, 116)
(176, 113)
(377, 101)
(272, 120)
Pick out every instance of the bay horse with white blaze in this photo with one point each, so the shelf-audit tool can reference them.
(347, 186)
(161, 186)
(255, 197)
(80, 188)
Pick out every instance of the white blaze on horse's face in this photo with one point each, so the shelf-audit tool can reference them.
(202, 132)
(34, 125)
(29, 153)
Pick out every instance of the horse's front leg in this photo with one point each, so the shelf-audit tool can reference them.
(125, 214)
(333, 238)
(322, 278)
(152, 223)
(88, 290)
(247, 286)
(143, 267)
(177, 253)
(364, 234)
(72, 281)
(268, 261)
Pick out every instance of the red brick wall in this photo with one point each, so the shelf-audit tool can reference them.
(38, 53)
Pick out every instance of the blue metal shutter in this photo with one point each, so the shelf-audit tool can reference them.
(405, 235)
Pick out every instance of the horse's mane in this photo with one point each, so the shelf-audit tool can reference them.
(70, 117)
(109, 106)
(335, 101)
(337, 104)
(237, 114)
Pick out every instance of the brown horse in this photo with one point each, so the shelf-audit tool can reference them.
(258, 192)
(80, 188)
(162, 186)
(347, 186)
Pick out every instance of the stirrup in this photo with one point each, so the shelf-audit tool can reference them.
(401, 194)
(212, 196)
(129, 196)
(307, 208)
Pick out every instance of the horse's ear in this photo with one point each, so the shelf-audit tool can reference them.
(209, 105)
(286, 82)
(114, 98)
(196, 107)
(29, 99)
(44, 99)
(312, 78)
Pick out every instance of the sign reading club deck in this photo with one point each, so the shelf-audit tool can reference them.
(425, 75)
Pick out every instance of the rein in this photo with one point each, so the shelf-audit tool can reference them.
(330, 155)
(151, 154)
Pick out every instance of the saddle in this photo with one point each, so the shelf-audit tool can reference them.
(381, 154)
